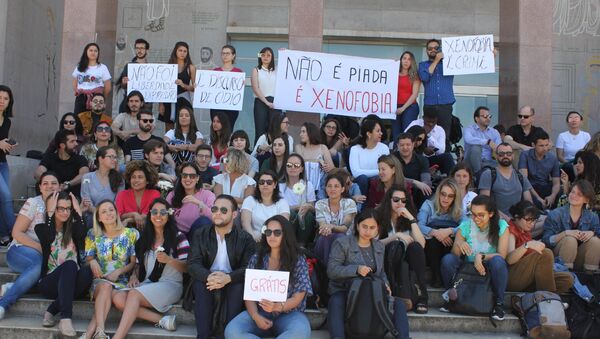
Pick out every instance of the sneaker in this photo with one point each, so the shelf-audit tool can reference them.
(445, 308)
(48, 320)
(167, 322)
(498, 312)
(2, 312)
(99, 334)
(5, 287)
(66, 328)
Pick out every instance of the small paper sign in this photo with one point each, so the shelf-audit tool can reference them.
(268, 285)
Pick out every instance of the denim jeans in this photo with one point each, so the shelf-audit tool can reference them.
(28, 262)
(475, 161)
(7, 214)
(287, 325)
(336, 317)
(496, 267)
(232, 295)
(64, 284)
(363, 183)
(402, 121)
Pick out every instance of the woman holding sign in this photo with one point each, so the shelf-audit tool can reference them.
(228, 58)
(186, 75)
(277, 251)
(408, 91)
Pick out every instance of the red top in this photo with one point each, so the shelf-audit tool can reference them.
(125, 201)
(521, 237)
(404, 89)
(376, 192)
(235, 69)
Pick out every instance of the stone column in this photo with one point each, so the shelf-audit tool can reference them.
(305, 33)
(525, 60)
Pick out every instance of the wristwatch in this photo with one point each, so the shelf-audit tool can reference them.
(526, 246)
(413, 221)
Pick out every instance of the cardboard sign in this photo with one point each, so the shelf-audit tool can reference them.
(219, 90)
(268, 285)
(468, 55)
(336, 84)
(155, 81)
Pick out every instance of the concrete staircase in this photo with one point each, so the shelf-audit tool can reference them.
(24, 320)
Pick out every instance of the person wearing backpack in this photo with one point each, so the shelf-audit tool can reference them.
(353, 256)
(530, 263)
(483, 240)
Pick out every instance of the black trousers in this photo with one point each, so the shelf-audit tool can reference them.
(64, 284)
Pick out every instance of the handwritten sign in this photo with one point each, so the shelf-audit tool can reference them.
(468, 54)
(220, 90)
(263, 284)
(155, 81)
(338, 84)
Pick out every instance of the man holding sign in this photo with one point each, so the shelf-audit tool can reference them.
(275, 291)
(217, 263)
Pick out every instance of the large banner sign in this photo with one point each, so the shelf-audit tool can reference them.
(219, 90)
(468, 54)
(155, 81)
(336, 84)
(264, 284)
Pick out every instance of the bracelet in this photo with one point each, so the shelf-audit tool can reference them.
(413, 221)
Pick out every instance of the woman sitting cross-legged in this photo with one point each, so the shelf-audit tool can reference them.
(484, 242)
(530, 263)
(397, 221)
(277, 251)
(110, 251)
(358, 255)
(157, 280)
(62, 237)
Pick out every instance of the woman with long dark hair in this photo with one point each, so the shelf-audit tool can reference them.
(317, 159)
(90, 76)
(63, 275)
(278, 125)
(279, 153)
(263, 86)
(133, 203)
(186, 75)
(70, 122)
(390, 173)
(157, 280)
(7, 215)
(463, 176)
(102, 137)
(408, 91)
(228, 55)
(220, 132)
(483, 239)
(364, 155)
(185, 138)
(278, 251)
(335, 139)
(587, 167)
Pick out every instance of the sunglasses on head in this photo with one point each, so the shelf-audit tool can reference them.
(69, 122)
(162, 212)
(102, 129)
(290, 165)
(189, 175)
(223, 210)
(267, 181)
(398, 199)
(276, 233)
(146, 121)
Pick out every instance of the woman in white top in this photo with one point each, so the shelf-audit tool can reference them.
(572, 141)
(278, 125)
(364, 155)
(263, 86)
(265, 203)
(90, 76)
(317, 159)
(464, 178)
(185, 137)
(234, 181)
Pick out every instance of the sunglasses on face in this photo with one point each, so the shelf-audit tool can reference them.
(163, 212)
(398, 199)
(521, 116)
(267, 182)
(485, 116)
(446, 195)
(215, 209)
(189, 175)
(147, 121)
(290, 165)
(69, 122)
(103, 129)
(276, 233)
(504, 154)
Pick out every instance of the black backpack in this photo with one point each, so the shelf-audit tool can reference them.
(403, 281)
(583, 318)
(368, 313)
(455, 130)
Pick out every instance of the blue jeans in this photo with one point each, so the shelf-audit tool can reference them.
(363, 183)
(232, 295)
(28, 262)
(336, 317)
(445, 161)
(287, 325)
(402, 121)
(496, 267)
(7, 214)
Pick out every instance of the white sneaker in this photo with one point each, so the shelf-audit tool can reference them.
(2, 312)
(167, 322)
(5, 287)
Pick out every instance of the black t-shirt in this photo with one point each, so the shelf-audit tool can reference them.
(207, 176)
(66, 170)
(134, 146)
(516, 132)
(417, 165)
(3, 135)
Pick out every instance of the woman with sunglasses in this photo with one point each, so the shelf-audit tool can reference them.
(102, 184)
(438, 219)
(157, 280)
(63, 276)
(277, 251)
(300, 194)
(133, 204)
(103, 136)
(334, 138)
(70, 122)
(234, 181)
(110, 252)
(530, 263)
(397, 222)
(189, 200)
(265, 203)
(358, 255)
(277, 160)
(24, 254)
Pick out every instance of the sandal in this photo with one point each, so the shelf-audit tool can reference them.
(421, 308)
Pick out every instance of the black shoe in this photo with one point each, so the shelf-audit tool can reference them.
(498, 312)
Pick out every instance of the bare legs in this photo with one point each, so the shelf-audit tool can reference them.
(133, 305)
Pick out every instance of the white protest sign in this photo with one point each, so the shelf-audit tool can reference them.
(264, 284)
(336, 84)
(468, 54)
(220, 90)
(155, 81)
